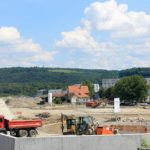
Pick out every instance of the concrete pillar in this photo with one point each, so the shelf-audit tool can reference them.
(50, 98)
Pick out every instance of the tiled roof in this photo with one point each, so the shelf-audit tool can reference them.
(79, 91)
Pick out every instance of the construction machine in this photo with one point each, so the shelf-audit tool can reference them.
(81, 125)
(106, 130)
(84, 125)
(19, 128)
(96, 103)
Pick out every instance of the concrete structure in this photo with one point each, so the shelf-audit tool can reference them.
(115, 142)
(96, 88)
(7, 143)
(148, 83)
(107, 83)
(148, 98)
(50, 99)
(116, 105)
(42, 92)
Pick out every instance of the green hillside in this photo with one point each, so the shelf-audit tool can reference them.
(53, 75)
(145, 72)
(26, 81)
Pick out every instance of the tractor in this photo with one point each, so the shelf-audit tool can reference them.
(81, 125)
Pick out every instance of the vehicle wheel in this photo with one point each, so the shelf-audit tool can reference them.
(89, 132)
(13, 133)
(32, 133)
(22, 133)
(78, 132)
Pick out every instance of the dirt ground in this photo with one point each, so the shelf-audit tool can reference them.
(28, 108)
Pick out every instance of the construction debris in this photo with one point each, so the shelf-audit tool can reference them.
(43, 115)
(130, 128)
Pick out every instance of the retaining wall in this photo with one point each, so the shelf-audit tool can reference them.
(116, 142)
(6, 142)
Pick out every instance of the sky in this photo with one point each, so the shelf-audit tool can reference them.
(102, 34)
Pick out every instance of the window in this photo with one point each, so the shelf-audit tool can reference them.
(1, 120)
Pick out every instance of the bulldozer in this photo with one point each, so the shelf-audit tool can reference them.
(81, 125)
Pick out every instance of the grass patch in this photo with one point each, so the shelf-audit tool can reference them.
(65, 71)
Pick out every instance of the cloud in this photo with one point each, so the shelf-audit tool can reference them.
(17, 51)
(117, 19)
(110, 36)
(9, 34)
(78, 38)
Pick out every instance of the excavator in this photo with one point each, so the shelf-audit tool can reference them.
(97, 103)
(81, 125)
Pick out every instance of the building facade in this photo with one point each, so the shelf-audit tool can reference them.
(78, 94)
(107, 83)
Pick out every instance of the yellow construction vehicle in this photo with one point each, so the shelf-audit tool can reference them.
(77, 125)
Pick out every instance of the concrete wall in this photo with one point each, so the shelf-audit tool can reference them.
(6, 142)
(116, 142)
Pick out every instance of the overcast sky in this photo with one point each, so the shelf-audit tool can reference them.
(103, 34)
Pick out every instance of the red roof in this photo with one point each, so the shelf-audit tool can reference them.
(79, 91)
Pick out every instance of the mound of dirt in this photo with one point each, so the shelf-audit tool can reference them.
(4, 110)
(22, 102)
(54, 128)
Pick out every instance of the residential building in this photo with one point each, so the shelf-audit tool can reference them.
(107, 83)
(57, 92)
(78, 94)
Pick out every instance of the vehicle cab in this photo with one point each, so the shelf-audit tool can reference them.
(1, 122)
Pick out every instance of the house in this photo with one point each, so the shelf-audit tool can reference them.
(57, 92)
(78, 94)
(47, 94)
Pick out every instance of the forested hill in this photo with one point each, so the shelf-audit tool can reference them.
(53, 75)
(145, 72)
(26, 81)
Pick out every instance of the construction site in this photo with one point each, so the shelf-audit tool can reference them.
(26, 108)
(81, 122)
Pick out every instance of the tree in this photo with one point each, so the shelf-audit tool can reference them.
(90, 86)
(106, 93)
(109, 94)
(102, 93)
(131, 89)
